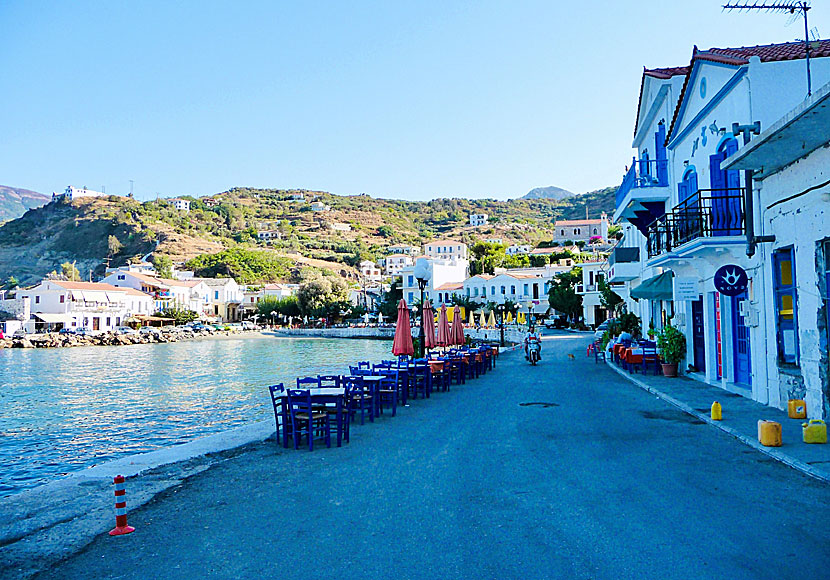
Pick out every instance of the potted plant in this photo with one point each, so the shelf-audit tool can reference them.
(672, 345)
(652, 332)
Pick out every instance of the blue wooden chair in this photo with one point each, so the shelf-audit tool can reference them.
(598, 351)
(308, 383)
(329, 381)
(360, 398)
(364, 364)
(281, 413)
(420, 379)
(304, 417)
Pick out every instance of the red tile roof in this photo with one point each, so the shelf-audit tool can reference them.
(740, 56)
(85, 286)
(665, 73)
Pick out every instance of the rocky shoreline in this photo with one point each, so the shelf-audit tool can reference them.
(56, 340)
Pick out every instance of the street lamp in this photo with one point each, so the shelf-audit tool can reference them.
(500, 308)
(421, 275)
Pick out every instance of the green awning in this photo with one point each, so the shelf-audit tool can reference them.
(657, 288)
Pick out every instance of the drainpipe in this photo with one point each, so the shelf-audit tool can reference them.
(749, 199)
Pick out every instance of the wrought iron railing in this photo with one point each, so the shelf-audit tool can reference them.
(643, 173)
(705, 214)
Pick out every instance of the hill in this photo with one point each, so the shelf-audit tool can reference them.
(346, 230)
(15, 201)
(549, 192)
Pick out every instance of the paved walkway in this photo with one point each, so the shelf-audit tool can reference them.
(563, 470)
(740, 419)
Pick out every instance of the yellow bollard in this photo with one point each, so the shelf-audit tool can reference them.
(769, 433)
(717, 412)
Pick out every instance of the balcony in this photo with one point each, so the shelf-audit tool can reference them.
(624, 264)
(647, 181)
(713, 216)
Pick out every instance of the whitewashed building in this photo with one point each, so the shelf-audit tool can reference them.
(93, 305)
(404, 249)
(72, 192)
(593, 313)
(190, 294)
(478, 219)
(224, 298)
(788, 308)
(440, 271)
(369, 271)
(395, 263)
(685, 213)
(581, 230)
(446, 249)
(268, 235)
(181, 204)
(517, 249)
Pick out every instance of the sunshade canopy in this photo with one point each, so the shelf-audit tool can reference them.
(657, 288)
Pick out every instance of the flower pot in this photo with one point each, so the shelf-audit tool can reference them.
(669, 370)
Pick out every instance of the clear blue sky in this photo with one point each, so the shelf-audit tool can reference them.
(412, 100)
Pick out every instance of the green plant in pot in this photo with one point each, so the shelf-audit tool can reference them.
(672, 345)
(651, 332)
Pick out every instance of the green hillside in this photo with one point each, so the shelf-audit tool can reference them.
(36, 243)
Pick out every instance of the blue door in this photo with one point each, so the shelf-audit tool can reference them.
(697, 335)
(740, 343)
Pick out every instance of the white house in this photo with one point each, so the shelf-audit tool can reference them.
(788, 309)
(268, 235)
(518, 249)
(395, 263)
(188, 294)
(445, 292)
(520, 285)
(224, 298)
(478, 219)
(446, 249)
(92, 305)
(72, 192)
(340, 227)
(181, 204)
(18, 313)
(438, 271)
(370, 271)
(684, 213)
(494, 240)
(592, 311)
(581, 230)
(319, 206)
(297, 196)
(404, 249)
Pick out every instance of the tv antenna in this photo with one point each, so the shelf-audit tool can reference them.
(793, 7)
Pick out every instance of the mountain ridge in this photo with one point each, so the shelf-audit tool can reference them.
(15, 201)
(549, 192)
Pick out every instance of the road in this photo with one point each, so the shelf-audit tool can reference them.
(563, 470)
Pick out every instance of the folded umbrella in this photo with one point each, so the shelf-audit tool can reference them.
(402, 345)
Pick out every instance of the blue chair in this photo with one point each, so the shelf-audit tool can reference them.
(281, 413)
(304, 417)
(336, 406)
(388, 390)
(420, 378)
(650, 359)
(441, 377)
(598, 351)
(364, 364)
(308, 383)
(329, 381)
(360, 398)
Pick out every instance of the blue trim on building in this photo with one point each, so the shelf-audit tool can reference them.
(721, 94)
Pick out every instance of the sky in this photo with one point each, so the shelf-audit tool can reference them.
(411, 100)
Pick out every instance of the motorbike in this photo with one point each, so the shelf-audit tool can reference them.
(534, 349)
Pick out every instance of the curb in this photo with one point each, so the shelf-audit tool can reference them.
(797, 464)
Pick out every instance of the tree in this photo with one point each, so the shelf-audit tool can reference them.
(163, 265)
(11, 283)
(70, 272)
(180, 315)
(614, 232)
(386, 231)
(609, 299)
(323, 296)
(562, 295)
(113, 245)
(389, 306)
(287, 306)
(465, 302)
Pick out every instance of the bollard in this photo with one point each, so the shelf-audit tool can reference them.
(121, 526)
(717, 412)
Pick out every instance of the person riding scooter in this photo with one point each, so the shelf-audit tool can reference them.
(533, 337)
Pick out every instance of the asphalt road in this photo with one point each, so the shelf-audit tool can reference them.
(563, 470)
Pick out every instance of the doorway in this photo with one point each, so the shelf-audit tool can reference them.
(740, 343)
(698, 333)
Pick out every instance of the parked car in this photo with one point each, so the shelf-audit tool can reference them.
(19, 333)
(85, 331)
(68, 330)
(185, 329)
(556, 322)
(124, 330)
(602, 328)
(148, 330)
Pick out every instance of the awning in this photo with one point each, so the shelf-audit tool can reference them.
(53, 318)
(657, 288)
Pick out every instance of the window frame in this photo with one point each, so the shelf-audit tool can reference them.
(778, 291)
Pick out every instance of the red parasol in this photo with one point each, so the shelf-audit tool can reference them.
(457, 327)
(428, 322)
(403, 332)
(444, 336)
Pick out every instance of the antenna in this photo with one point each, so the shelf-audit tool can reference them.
(794, 7)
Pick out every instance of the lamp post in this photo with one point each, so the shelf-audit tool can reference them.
(421, 275)
(500, 308)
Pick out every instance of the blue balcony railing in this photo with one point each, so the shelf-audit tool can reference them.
(643, 173)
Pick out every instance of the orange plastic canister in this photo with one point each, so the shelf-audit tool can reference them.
(797, 409)
(769, 433)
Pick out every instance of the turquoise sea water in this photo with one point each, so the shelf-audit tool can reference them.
(65, 409)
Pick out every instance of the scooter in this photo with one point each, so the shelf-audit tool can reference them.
(534, 349)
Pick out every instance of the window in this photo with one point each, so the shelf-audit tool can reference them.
(216, 295)
(591, 278)
(784, 291)
(122, 277)
(410, 297)
(63, 298)
(37, 299)
(525, 289)
(595, 231)
(493, 290)
(108, 321)
(503, 291)
(475, 291)
(410, 280)
(484, 292)
(562, 233)
(513, 289)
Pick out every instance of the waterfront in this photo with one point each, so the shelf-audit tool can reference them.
(68, 409)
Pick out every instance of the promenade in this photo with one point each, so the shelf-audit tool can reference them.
(565, 470)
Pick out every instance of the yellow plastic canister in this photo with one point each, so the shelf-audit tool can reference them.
(815, 431)
(797, 409)
(769, 433)
(717, 412)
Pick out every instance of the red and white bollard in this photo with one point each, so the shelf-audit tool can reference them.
(121, 526)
